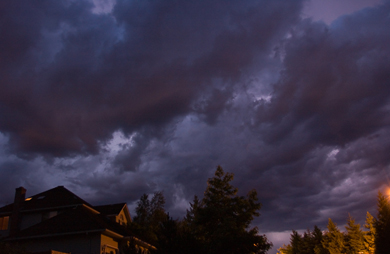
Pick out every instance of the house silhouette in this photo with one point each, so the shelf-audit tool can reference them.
(57, 220)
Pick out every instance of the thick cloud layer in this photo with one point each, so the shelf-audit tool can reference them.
(132, 97)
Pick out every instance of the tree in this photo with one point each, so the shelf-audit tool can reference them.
(308, 243)
(354, 239)
(296, 245)
(168, 236)
(221, 220)
(285, 249)
(333, 240)
(317, 239)
(369, 236)
(382, 225)
(149, 214)
(296, 242)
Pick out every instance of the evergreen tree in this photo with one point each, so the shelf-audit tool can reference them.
(168, 237)
(354, 239)
(142, 210)
(382, 225)
(317, 239)
(369, 236)
(221, 220)
(157, 211)
(149, 214)
(295, 246)
(285, 249)
(296, 242)
(333, 240)
(308, 243)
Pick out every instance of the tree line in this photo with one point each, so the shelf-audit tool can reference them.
(372, 238)
(220, 222)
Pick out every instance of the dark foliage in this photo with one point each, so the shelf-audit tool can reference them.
(221, 220)
(149, 215)
(219, 223)
(382, 225)
(308, 243)
(354, 241)
(354, 238)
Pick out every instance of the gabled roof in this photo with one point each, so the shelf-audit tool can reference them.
(80, 219)
(113, 209)
(54, 198)
(75, 216)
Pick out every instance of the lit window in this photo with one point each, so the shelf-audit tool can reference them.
(4, 223)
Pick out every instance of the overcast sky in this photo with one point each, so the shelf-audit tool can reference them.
(113, 99)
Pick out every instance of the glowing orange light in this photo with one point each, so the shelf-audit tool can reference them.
(388, 191)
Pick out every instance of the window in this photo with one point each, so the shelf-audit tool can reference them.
(4, 223)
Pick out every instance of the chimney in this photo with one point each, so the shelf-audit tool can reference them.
(20, 195)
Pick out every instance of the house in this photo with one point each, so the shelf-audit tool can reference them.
(60, 221)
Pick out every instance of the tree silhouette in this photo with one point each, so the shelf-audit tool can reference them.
(333, 240)
(369, 236)
(354, 239)
(149, 214)
(308, 243)
(221, 220)
(382, 225)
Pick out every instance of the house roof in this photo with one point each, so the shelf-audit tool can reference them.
(80, 219)
(113, 209)
(53, 198)
(75, 216)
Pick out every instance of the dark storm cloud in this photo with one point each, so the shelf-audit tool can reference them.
(72, 77)
(333, 95)
(155, 94)
(335, 86)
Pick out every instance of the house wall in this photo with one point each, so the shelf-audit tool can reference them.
(108, 245)
(75, 244)
(121, 218)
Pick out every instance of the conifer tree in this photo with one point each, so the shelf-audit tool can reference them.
(354, 239)
(369, 236)
(333, 240)
(308, 243)
(221, 220)
(150, 213)
(382, 225)
(296, 242)
(317, 239)
(285, 249)
(295, 246)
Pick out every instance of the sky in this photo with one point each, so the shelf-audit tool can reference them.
(116, 98)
